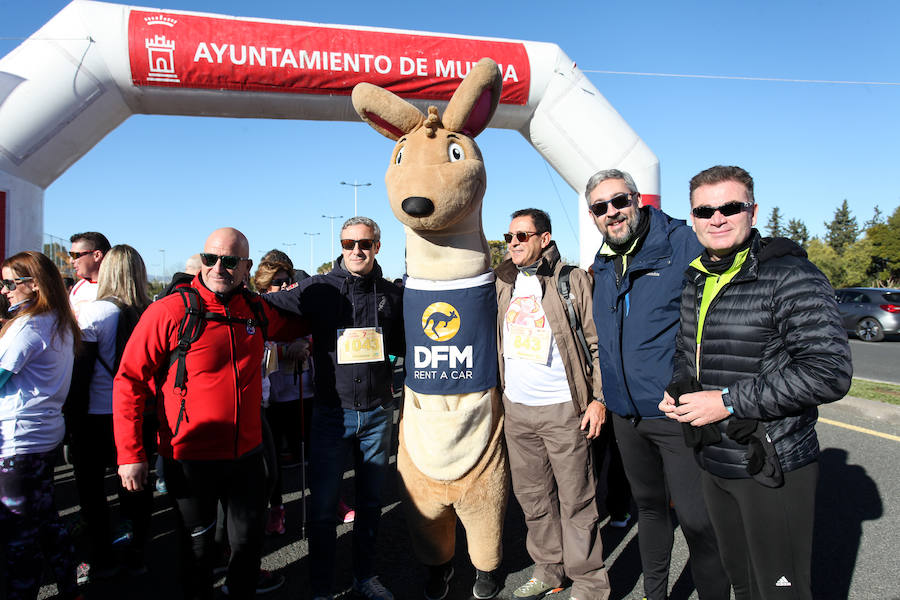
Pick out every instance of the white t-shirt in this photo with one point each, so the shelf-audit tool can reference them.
(529, 382)
(83, 291)
(31, 402)
(98, 321)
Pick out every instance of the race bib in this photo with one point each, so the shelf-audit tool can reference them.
(529, 343)
(359, 345)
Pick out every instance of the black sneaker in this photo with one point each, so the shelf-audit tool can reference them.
(486, 585)
(437, 585)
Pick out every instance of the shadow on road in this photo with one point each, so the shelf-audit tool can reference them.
(846, 497)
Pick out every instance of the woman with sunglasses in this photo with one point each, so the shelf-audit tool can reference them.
(105, 324)
(36, 356)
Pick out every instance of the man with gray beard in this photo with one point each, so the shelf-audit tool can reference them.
(638, 277)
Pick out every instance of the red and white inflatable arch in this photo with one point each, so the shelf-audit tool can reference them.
(95, 64)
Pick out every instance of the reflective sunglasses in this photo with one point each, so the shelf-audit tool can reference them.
(364, 244)
(77, 255)
(619, 201)
(280, 282)
(228, 261)
(521, 236)
(10, 284)
(728, 210)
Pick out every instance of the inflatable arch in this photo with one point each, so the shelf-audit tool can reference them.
(95, 64)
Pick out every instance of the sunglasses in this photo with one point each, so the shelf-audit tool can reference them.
(280, 282)
(228, 261)
(521, 236)
(619, 201)
(77, 255)
(10, 284)
(364, 244)
(728, 210)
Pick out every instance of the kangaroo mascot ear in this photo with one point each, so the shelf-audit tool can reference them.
(387, 113)
(475, 100)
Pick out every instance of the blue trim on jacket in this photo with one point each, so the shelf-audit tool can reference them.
(637, 320)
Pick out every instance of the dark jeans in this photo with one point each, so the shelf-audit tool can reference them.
(93, 453)
(656, 460)
(196, 487)
(31, 529)
(766, 533)
(336, 432)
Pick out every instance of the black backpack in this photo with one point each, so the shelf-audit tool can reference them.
(565, 292)
(128, 319)
(191, 328)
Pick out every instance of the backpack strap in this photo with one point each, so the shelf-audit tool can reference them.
(565, 292)
(191, 328)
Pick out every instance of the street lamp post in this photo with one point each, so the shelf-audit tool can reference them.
(164, 262)
(312, 268)
(355, 185)
(332, 218)
(288, 245)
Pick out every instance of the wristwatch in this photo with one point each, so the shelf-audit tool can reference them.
(726, 400)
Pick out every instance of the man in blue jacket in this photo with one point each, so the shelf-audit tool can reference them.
(356, 320)
(638, 277)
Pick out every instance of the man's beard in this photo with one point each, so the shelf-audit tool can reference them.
(628, 236)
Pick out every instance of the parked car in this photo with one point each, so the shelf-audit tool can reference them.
(870, 313)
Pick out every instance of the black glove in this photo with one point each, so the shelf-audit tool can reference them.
(694, 437)
(762, 460)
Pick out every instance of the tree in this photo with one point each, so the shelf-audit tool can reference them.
(877, 218)
(842, 230)
(498, 252)
(774, 226)
(885, 238)
(849, 269)
(797, 231)
(59, 254)
(325, 267)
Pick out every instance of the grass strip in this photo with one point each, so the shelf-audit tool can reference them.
(871, 390)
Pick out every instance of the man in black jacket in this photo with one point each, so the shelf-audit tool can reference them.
(356, 320)
(761, 335)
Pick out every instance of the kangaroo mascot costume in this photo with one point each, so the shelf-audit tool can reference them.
(452, 458)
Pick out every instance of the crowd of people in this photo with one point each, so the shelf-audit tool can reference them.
(689, 360)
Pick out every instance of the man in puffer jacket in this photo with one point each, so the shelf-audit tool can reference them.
(761, 336)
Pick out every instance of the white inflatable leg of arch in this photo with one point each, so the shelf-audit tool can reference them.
(68, 85)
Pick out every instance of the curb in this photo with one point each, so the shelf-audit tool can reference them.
(872, 409)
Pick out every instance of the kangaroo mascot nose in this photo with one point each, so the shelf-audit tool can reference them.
(417, 206)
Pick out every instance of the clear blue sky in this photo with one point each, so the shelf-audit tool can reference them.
(808, 146)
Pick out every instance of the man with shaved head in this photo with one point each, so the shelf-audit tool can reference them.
(209, 392)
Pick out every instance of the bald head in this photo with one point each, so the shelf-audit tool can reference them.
(226, 241)
(193, 265)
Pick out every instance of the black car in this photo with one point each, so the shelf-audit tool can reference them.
(870, 313)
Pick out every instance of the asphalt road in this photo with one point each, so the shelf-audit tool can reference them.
(877, 360)
(857, 526)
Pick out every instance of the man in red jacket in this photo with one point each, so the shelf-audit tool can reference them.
(210, 432)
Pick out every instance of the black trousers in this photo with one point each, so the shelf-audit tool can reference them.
(93, 453)
(660, 466)
(618, 492)
(196, 487)
(765, 533)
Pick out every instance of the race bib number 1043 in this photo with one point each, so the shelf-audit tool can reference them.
(360, 345)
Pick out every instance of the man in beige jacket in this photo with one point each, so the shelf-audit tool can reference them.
(554, 406)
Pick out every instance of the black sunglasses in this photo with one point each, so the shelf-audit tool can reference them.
(77, 255)
(280, 282)
(364, 244)
(619, 201)
(521, 236)
(728, 210)
(10, 284)
(228, 261)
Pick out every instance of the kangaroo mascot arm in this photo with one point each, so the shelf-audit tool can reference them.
(451, 459)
